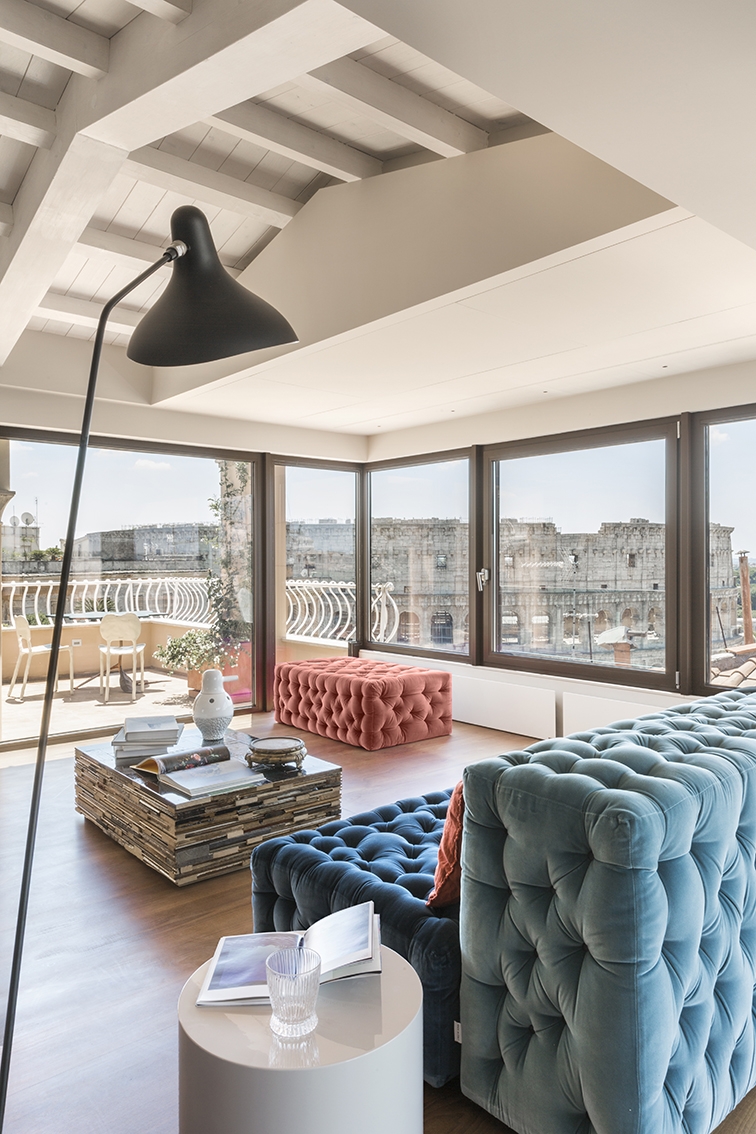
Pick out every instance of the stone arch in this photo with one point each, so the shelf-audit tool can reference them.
(442, 629)
(541, 628)
(602, 622)
(408, 633)
(510, 628)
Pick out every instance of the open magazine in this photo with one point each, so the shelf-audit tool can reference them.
(348, 941)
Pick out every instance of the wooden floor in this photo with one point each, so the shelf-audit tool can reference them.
(110, 944)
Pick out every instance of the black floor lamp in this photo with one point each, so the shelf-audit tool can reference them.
(203, 314)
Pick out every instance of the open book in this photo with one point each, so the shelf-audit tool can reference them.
(349, 943)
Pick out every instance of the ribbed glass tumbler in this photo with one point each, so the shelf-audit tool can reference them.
(293, 982)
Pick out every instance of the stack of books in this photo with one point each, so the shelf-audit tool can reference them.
(145, 736)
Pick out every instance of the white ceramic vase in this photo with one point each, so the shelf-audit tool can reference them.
(213, 708)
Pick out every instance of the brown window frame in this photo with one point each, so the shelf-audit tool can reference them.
(666, 429)
(696, 545)
(468, 454)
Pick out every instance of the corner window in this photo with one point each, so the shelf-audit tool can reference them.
(419, 593)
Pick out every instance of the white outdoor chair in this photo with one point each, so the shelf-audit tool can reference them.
(123, 629)
(28, 651)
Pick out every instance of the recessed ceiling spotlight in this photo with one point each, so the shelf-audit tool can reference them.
(665, 366)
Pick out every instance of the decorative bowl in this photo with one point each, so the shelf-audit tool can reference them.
(274, 751)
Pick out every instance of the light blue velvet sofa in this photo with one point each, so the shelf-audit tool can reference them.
(608, 926)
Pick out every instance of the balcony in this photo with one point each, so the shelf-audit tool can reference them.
(320, 617)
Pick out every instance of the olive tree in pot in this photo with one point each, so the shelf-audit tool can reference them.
(224, 644)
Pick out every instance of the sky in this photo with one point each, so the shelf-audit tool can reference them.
(120, 488)
(577, 490)
(731, 453)
(312, 494)
(412, 493)
(580, 490)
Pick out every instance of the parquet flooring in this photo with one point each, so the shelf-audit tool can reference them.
(110, 943)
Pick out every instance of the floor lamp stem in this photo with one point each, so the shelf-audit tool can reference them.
(170, 254)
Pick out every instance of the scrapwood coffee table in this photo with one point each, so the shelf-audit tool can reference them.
(187, 840)
(360, 1070)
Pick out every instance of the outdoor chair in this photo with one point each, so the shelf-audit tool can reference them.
(27, 651)
(121, 634)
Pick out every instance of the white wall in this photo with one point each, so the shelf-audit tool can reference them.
(534, 705)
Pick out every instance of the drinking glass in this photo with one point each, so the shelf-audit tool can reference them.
(293, 982)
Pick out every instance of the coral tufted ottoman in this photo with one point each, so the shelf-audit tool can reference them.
(366, 703)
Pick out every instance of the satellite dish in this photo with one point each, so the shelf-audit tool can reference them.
(27, 518)
(15, 521)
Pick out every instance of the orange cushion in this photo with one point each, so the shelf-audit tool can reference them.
(449, 869)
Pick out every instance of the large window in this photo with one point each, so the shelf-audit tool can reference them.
(320, 584)
(580, 555)
(419, 556)
(165, 536)
(731, 551)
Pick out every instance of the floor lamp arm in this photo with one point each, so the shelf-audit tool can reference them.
(171, 253)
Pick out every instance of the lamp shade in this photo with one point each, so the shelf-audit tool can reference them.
(203, 313)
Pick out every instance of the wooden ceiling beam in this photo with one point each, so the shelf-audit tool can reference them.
(264, 127)
(172, 10)
(396, 108)
(50, 37)
(175, 174)
(84, 313)
(162, 77)
(26, 122)
(134, 254)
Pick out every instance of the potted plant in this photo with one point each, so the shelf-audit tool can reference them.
(222, 645)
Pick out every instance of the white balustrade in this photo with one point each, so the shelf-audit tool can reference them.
(323, 610)
(317, 609)
(178, 599)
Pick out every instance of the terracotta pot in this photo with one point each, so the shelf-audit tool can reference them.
(239, 690)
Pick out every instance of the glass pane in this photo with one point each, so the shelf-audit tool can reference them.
(419, 556)
(581, 556)
(732, 545)
(166, 537)
(320, 576)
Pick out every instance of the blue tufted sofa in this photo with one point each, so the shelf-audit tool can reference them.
(608, 926)
(387, 856)
(608, 921)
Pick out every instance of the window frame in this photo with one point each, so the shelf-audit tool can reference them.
(665, 429)
(272, 461)
(439, 457)
(697, 549)
(167, 448)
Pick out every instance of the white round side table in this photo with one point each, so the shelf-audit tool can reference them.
(361, 1069)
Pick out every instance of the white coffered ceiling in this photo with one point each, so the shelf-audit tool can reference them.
(112, 114)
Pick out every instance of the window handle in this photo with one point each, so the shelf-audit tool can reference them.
(482, 577)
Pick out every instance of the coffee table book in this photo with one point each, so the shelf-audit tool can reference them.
(225, 775)
(188, 840)
(348, 941)
(151, 730)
